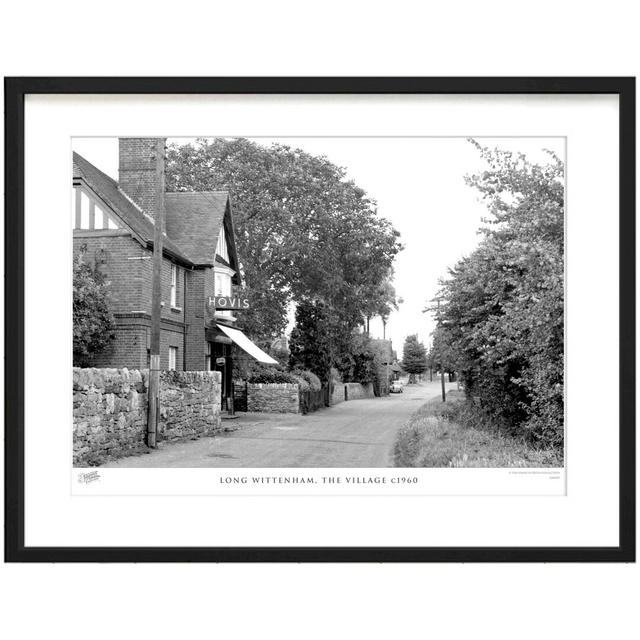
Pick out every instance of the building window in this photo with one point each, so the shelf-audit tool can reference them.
(223, 288)
(173, 358)
(223, 284)
(207, 358)
(221, 248)
(174, 285)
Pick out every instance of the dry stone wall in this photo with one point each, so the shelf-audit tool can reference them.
(273, 397)
(110, 410)
(189, 404)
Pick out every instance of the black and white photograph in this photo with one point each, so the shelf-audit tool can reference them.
(322, 320)
(318, 302)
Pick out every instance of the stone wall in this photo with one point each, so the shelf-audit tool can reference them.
(110, 410)
(357, 391)
(285, 398)
(354, 391)
(273, 398)
(189, 404)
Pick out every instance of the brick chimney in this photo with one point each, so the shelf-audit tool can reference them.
(141, 171)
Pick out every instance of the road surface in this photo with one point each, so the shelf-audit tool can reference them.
(357, 433)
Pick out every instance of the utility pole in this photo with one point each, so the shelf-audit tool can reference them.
(444, 393)
(388, 388)
(156, 298)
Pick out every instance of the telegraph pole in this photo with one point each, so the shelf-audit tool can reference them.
(156, 298)
(444, 393)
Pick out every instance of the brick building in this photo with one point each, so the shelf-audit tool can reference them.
(113, 228)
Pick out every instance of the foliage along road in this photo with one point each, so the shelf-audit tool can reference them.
(358, 433)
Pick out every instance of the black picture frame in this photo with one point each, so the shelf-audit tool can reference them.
(15, 91)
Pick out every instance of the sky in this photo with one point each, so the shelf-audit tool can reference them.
(418, 184)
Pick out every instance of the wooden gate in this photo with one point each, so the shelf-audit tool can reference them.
(314, 400)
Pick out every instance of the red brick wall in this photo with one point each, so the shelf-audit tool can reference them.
(195, 320)
(146, 275)
(137, 170)
(128, 348)
(127, 268)
(118, 257)
(172, 337)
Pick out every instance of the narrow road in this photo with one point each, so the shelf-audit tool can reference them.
(358, 433)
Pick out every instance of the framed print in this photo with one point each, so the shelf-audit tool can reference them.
(320, 319)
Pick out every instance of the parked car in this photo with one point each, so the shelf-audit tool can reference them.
(396, 387)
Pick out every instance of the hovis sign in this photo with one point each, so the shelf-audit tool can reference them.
(228, 302)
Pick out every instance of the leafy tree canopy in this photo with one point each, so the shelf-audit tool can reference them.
(502, 313)
(304, 231)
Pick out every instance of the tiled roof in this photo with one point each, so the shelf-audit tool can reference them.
(107, 189)
(193, 221)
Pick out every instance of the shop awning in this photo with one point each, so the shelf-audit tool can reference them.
(246, 345)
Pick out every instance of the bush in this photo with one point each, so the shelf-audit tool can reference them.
(93, 324)
(357, 362)
(272, 376)
(302, 383)
(310, 379)
(501, 310)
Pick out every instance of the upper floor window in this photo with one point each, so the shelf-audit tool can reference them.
(174, 285)
(221, 248)
(223, 284)
(223, 288)
(88, 214)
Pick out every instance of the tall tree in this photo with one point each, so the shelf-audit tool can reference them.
(441, 356)
(414, 357)
(357, 362)
(311, 346)
(304, 230)
(381, 302)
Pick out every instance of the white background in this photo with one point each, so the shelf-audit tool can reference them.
(586, 516)
(495, 601)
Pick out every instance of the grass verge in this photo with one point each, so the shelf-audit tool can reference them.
(451, 435)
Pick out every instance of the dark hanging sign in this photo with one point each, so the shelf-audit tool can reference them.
(228, 302)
